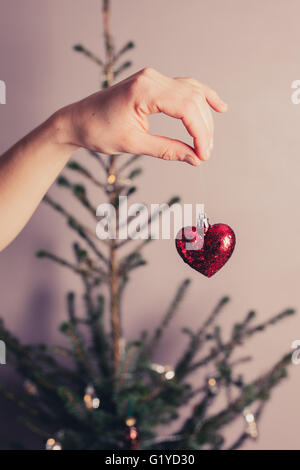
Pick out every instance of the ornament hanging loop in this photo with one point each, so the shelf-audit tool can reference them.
(202, 220)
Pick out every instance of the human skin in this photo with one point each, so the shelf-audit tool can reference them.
(111, 121)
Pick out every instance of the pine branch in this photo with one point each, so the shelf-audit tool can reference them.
(76, 269)
(152, 217)
(82, 233)
(80, 352)
(127, 364)
(190, 427)
(172, 310)
(73, 404)
(122, 68)
(89, 266)
(128, 46)
(100, 343)
(109, 46)
(245, 435)
(212, 317)
(34, 428)
(271, 321)
(30, 363)
(94, 315)
(18, 401)
(256, 390)
(197, 340)
(136, 251)
(83, 171)
(132, 261)
(71, 308)
(134, 173)
(83, 50)
(238, 340)
(129, 161)
(100, 160)
(70, 218)
(78, 190)
(62, 351)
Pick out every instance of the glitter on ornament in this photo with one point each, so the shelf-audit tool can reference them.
(206, 249)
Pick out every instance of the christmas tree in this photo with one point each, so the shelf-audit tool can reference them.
(101, 392)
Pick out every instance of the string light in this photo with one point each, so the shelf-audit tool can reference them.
(130, 421)
(170, 374)
(167, 371)
(158, 368)
(52, 444)
(30, 387)
(111, 179)
(132, 434)
(90, 399)
(212, 385)
(251, 424)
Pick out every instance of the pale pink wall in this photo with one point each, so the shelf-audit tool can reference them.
(248, 51)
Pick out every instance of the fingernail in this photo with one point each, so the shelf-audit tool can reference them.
(211, 145)
(192, 160)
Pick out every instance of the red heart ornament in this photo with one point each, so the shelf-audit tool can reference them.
(206, 249)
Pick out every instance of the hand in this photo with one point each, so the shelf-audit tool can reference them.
(115, 121)
(111, 121)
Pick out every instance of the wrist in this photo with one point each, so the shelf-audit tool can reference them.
(60, 125)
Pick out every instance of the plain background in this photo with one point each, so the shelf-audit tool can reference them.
(247, 51)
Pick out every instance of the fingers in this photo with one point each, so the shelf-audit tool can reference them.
(197, 123)
(214, 100)
(185, 103)
(181, 98)
(211, 95)
(165, 148)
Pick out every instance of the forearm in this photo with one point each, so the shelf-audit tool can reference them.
(27, 170)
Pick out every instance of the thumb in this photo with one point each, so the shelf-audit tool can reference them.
(166, 149)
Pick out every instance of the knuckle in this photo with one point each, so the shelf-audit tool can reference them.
(147, 71)
(141, 78)
(167, 154)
